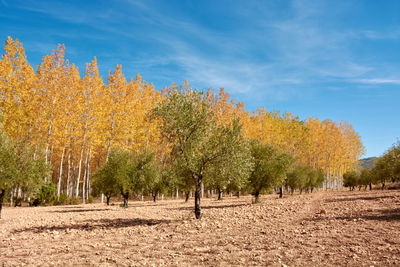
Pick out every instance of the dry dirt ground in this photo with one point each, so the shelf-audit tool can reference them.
(325, 228)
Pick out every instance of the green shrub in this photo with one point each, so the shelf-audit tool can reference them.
(90, 200)
(63, 200)
(47, 195)
(73, 201)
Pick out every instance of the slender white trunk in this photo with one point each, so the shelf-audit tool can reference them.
(177, 193)
(68, 173)
(72, 176)
(48, 137)
(84, 180)
(88, 176)
(80, 162)
(60, 175)
(110, 139)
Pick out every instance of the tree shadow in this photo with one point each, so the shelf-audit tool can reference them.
(213, 206)
(77, 210)
(146, 205)
(356, 198)
(387, 215)
(90, 225)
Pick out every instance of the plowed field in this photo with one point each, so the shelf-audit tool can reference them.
(360, 228)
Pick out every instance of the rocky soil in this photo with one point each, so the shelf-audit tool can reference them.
(360, 228)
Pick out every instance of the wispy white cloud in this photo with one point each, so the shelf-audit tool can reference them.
(378, 81)
(381, 35)
(281, 56)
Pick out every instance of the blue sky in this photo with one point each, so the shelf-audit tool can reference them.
(330, 59)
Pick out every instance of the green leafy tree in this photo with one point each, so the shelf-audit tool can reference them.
(315, 179)
(382, 172)
(351, 179)
(126, 173)
(177, 177)
(270, 168)
(145, 174)
(188, 123)
(19, 170)
(8, 166)
(105, 182)
(231, 172)
(297, 178)
(113, 177)
(30, 173)
(46, 195)
(366, 177)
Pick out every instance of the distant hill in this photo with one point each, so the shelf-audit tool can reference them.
(367, 162)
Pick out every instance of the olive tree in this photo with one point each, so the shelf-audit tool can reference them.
(351, 179)
(126, 172)
(187, 123)
(304, 177)
(297, 178)
(230, 173)
(270, 168)
(19, 171)
(387, 167)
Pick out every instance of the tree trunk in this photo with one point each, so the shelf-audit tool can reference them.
(109, 140)
(84, 179)
(154, 197)
(79, 173)
(197, 195)
(187, 196)
(126, 196)
(281, 192)
(370, 186)
(383, 185)
(68, 173)
(88, 176)
(257, 197)
(3, 192)
(48, 137)
(12, 197)
(219, 194)
(60, 175)
(108, 199)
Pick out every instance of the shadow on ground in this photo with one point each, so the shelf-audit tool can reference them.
(387, 215)
(90, 225)
(213, 206)
(77, 210)
(356, 198)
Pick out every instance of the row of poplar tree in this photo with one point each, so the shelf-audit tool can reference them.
(73, 122)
